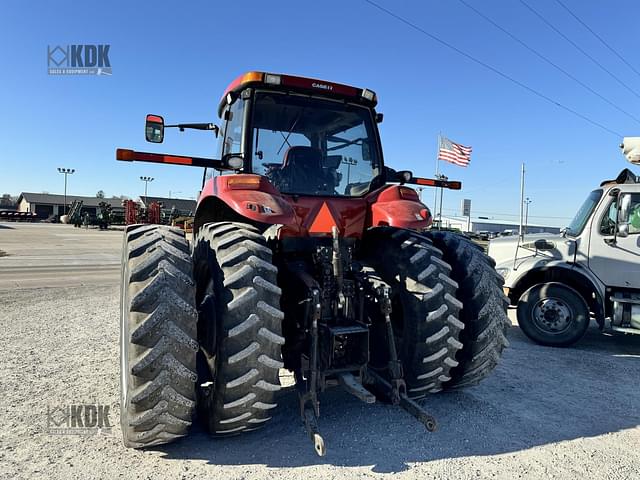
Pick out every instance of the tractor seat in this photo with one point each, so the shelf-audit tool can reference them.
(302, 170)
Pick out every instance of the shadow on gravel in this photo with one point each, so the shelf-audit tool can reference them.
(6, 227)
(537, 396)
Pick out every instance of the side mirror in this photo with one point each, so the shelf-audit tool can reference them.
(401, 176)
(404, 176)
(623, 230)
(624, 210)
(154, 129)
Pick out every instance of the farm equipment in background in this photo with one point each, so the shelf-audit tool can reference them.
(131, 208)
(183, 223)
(152, 214)
(74, 216)
(104, 217)
(309, 254)
(134, 213)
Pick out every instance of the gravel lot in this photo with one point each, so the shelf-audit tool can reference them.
(545, 413)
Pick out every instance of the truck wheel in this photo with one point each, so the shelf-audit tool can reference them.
(553, 314)
(239, 327)
(157, 336)
(484, 313)
(424, 307)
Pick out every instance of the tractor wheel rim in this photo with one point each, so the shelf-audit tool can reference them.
(552, 315)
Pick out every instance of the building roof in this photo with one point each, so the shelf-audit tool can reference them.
(55, 199)
(180, 204)
(505, 223)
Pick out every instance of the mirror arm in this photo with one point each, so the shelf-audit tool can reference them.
(392, 176)
(195, 126)
(430, 182)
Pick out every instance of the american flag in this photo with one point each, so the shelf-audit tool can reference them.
(454, 152)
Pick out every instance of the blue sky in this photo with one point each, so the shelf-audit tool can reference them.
(176, 58)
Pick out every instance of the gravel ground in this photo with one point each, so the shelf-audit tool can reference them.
(545, 413)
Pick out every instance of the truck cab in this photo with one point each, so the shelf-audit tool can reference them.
(592, 269)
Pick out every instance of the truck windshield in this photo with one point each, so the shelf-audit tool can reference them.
(584, 212)
(312, 146)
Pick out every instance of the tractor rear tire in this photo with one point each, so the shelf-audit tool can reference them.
(425, 310)
(484, 311)
(239, 327)
(157, 336)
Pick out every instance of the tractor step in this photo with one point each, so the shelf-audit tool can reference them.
(629, 330)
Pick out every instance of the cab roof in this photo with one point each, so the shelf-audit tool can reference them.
(282, 82)
(626, 176)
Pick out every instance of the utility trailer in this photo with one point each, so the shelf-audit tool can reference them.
(308, 254)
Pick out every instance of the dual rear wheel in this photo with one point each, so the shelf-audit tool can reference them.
(206, 329)
(453, 311)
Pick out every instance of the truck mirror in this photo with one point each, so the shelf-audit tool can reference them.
(154, 129)
(624, 209)
(623, 230)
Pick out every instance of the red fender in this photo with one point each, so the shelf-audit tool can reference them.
(251, 196)
(398, 206)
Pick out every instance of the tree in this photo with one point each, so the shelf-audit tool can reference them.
(6, 200)
(100, 194)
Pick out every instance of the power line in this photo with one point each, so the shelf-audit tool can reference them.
(542, 57)
(598, 37)
(494, 70)
(580, 49)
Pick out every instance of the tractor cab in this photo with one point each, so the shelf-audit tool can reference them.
(305, 136)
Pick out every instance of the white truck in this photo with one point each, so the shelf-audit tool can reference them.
(590, 270)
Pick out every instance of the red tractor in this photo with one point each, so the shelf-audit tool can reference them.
(308, 254)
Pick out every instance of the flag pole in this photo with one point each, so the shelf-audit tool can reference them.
(435, 193)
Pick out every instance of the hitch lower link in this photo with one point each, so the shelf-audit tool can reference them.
(392, 388)
(308, 390)
(395, 389)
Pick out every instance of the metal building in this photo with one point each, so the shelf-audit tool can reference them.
(496, 226)
(44, 205)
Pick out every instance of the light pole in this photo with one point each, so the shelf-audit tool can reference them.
(146, 181)
(349, 161)
(526, 214)
(65, 171)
